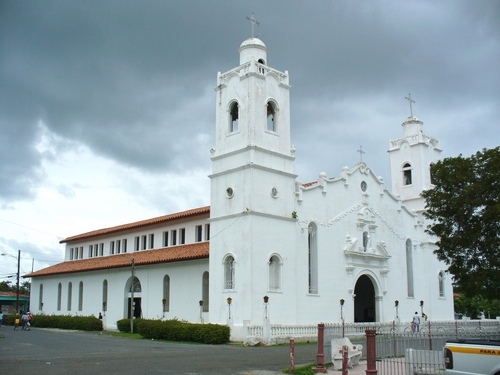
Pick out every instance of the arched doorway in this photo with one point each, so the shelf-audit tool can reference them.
(364, 302)
(134, 286)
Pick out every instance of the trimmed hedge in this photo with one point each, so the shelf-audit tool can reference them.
(81, 323)
(175, 330)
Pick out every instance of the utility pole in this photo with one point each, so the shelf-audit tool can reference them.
(18, 267)
(132, 310)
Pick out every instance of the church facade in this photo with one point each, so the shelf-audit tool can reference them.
(267, 247)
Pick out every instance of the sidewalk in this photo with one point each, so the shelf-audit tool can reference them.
(356, 370)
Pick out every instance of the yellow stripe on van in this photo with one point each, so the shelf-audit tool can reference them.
(473, 350)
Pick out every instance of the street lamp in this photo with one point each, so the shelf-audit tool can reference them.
(18, 266)
(229, 301)
(342, 315)
(266, 301)
(201, 310)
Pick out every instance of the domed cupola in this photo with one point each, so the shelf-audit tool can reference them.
(253, 49)
(412, 127)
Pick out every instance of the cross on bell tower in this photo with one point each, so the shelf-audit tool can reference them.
(410, 100)
(253, 21)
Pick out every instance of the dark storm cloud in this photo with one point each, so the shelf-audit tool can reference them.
(132, 80)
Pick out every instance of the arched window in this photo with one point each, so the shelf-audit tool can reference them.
(274, 273)
(80, 296)
(229, 272)
(204, 292)
(166, 293)
(271, 117)
(441, 283)
(431, 174)
(40, 298)
(313, 258)
(105, 295)
(233, 117)
(407, 179)
(70, 295)
(136, 286)
(409, 268)
(59, 296)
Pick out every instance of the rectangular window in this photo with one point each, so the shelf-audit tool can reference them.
(112, 247)
(165, 239)
(81, 252)
(76, 253)
(101, 249)
(151, 241)
(182, 236)
(136, 243)
(71, 253)
(198, 233)
(90, 251)
(124, 245)
(207, 232)
(144, 242)
(118, 247)
(173, 237)
(96, 250)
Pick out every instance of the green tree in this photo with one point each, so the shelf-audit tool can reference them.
(474, 306)
(465, 209)
(6, 286)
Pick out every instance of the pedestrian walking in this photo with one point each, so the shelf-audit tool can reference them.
(416, 322)
(25, 321)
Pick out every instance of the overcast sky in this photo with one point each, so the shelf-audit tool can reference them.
(107, 108)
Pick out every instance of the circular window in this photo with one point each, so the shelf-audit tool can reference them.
(274, 192)
(229, 192)
(363, 185)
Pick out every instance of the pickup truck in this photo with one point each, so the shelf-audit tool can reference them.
(472, 357)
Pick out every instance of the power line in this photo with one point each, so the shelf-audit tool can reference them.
(33, 229)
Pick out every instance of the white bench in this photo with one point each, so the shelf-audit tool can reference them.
(353, 353)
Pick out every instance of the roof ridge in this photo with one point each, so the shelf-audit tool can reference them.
(136, 224)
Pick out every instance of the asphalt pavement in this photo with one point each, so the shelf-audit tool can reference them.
(52, 351)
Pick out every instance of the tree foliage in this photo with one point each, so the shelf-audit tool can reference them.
(465, 209)
(474, 306)
(9, 286)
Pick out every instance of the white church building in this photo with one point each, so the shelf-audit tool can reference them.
(268, 246)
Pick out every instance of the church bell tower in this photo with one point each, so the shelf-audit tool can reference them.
(252, 183)
(411, 158)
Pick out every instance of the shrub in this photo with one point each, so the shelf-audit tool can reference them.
(81, 323)
(174, 330)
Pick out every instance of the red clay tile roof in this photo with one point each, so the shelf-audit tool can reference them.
(142, 223)
(199, 250)
(307, 184)
(13, 294)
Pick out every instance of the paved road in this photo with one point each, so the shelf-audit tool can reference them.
(48, 351)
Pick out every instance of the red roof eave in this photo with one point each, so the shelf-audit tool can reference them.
(199, 250)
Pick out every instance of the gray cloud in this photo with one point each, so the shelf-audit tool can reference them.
(132, 80)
